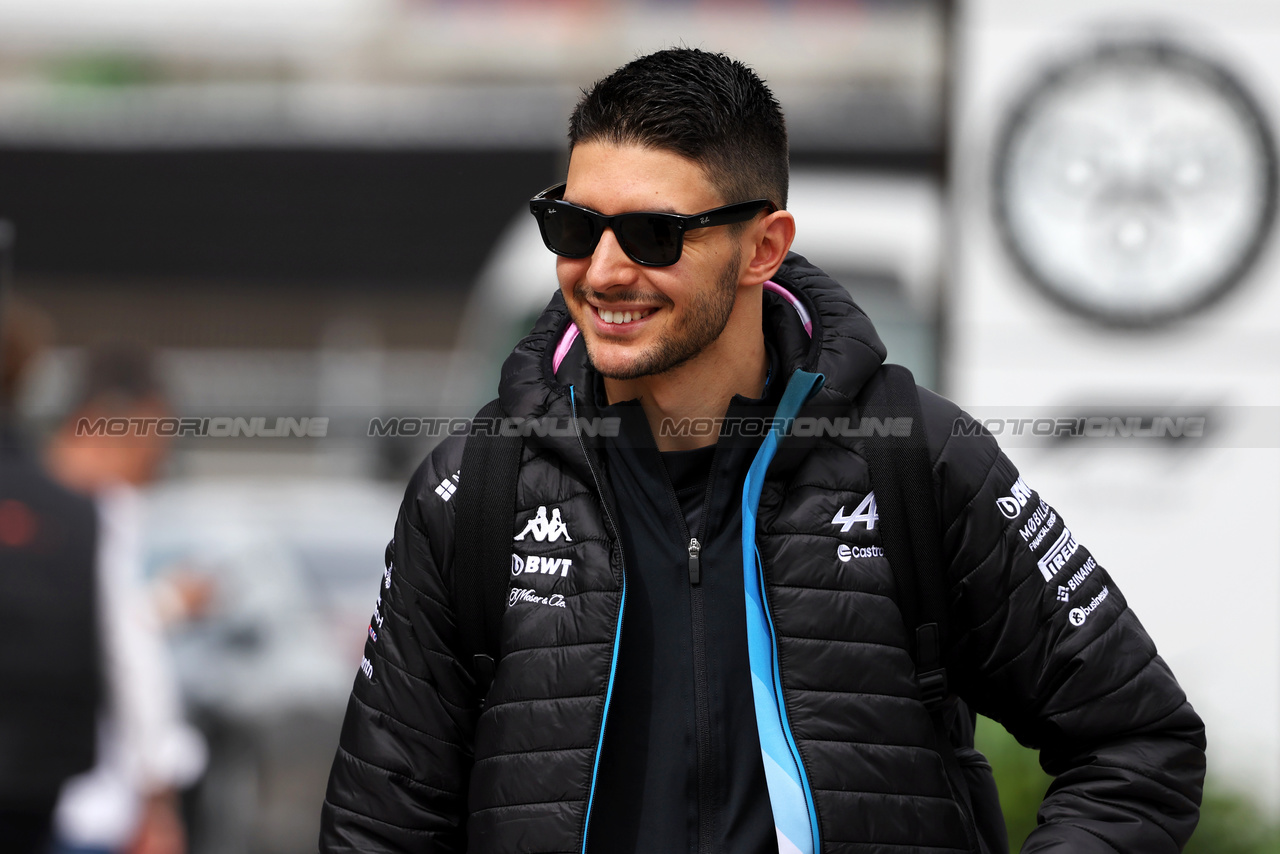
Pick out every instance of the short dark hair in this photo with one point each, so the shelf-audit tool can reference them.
(119, 376)
(707, 107)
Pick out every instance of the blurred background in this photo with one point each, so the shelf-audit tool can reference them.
(313, 214)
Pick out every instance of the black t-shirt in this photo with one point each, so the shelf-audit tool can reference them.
(688, 471)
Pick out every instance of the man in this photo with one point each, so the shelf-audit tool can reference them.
(718, 662)
(49, 650)
(128, 800)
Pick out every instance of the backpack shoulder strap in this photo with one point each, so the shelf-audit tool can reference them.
(911, 533)
(911, 536)
(483, 528)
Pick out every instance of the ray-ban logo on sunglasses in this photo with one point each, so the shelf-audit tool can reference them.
(705, 220)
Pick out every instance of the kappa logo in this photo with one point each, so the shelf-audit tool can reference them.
(864, 513)
(1011, 505)
(544, 565)
(546, 530)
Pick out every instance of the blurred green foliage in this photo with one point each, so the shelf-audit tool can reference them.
(1229, 822)
(1018, 777)
(102, 70)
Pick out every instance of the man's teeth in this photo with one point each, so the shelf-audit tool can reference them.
(622, 316)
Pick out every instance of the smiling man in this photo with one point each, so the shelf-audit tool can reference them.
(684, 337)
(704, 648)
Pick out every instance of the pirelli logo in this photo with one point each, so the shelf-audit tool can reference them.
(1058, 554)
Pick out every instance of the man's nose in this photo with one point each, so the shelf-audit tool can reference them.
(609, 264)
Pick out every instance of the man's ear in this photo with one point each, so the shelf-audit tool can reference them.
(769, 240)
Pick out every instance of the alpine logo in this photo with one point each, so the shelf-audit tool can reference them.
(864, 513)
(544, 565)
(1058, 555)
(546, 530)
(1011, 505)
(1077, 616)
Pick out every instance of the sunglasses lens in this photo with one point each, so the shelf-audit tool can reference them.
(651, 240)
(568, 231)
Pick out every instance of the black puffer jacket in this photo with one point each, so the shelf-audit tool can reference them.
(1043, 641)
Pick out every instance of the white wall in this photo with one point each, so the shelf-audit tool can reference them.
(1191, 536)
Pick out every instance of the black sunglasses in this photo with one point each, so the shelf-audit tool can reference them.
(649, 238)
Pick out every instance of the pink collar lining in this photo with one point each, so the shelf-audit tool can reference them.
(571, 332)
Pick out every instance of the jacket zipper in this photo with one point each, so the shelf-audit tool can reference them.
(800, 387)
(695, 562)
(697, 616)
(617, 637)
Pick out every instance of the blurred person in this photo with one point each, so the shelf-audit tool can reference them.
(127, 802)
(714, 653)
(50, 660)
(182, 594)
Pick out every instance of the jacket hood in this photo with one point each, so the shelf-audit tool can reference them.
(809, 318)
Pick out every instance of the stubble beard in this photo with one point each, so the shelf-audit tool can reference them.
(705, 318)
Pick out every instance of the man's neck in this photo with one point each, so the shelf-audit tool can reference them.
(701, 388)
